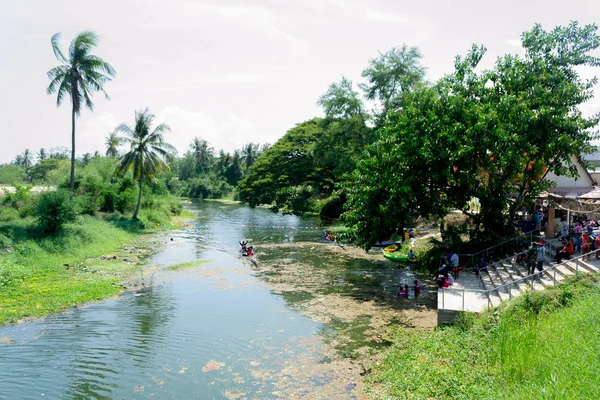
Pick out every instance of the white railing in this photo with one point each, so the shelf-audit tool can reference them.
(529, 280)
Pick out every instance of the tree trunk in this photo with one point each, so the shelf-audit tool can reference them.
(72, 183)
(137, 208)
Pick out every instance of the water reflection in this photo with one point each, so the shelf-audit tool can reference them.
(214, 331)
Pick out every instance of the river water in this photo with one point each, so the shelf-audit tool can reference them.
(219, 330)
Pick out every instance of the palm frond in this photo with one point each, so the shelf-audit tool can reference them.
(56, 48)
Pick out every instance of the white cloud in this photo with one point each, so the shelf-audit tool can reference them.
(229, 134)
(389, 18)
(93, 134)
(514, 42)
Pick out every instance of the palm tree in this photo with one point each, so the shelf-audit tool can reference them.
(86, 158)
(202, 152)
(249, 154)
(18, 160)
(148, 152)
(223, 162)
(42, 154)
(112, 142)
(78, 77)
(27, 160)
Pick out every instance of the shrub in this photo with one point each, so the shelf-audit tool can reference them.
(54, 210)
(8, 214)
(5, 243)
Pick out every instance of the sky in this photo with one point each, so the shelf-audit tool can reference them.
(236, 71)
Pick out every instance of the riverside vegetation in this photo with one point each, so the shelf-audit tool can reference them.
(541, 345)
(424, 149)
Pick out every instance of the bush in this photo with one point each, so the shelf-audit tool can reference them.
(8, 214)
(5, 243)
(54, 210)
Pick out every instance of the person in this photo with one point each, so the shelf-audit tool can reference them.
(539, 258)
(577, 231)
(411, 255)
(443, 281)
(450, 279)
(411, 233)
(243, 243)
(537, 219)
(564, 228)
(565, 251)
(417, 288)
(454, 267)
(586, 245)
(404, 292)
(481, 265)
(249, 251)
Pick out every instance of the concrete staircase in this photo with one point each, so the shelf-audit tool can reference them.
(505, 279)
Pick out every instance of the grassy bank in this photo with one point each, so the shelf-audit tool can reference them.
(541, 345)
(46, 274)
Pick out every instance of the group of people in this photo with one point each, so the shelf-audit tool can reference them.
(449, 265)
(580, 238)
(247, 250)
(405, 291)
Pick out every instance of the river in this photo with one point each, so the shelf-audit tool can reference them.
(292, 326)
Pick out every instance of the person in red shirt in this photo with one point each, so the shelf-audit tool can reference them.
(565, 251)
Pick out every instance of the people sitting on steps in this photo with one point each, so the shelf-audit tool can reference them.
(564, 251)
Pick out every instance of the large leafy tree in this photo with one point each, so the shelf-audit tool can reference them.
(490, 135)
(148, 151)
(113, 141)
(342, 101)
(389, 77)
(78, 76)
(305, 164)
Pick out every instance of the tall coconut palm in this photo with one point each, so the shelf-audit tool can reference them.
(27, 160)
(113, 141)
(148, 151)
(77, 77)
(42, 154)
(249, 154)
(202, 152)
(86, 158)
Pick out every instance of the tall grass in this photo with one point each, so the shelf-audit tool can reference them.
(46, 274)
(544, 345)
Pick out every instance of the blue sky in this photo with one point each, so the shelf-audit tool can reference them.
(234, 71)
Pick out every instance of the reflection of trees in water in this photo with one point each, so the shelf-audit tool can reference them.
(137, 328)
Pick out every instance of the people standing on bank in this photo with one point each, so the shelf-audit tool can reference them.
(564, 228)
(539, 259)
(454, 267)
(577, 231)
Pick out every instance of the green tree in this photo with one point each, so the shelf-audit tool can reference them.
(491, 135)
(112, 145)
(234, 170)
(27, 160)
(148, 150)
(341, 101)
(390, 76)
(203, 154)
(85, 159)
(42, 154)
(250, 153)
(288, 164)
(78, 77)
(11, 174)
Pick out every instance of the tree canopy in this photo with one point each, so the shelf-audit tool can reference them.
(492, 135)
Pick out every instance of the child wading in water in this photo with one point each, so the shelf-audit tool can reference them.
(417, 288)
(404, 292)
